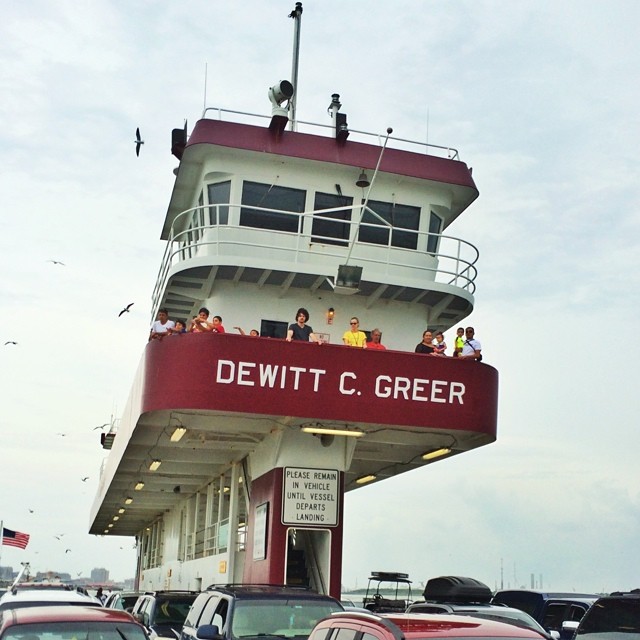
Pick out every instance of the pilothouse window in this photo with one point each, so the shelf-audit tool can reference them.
(331, 227)
(403, 218)
(219, 193)
(278, 200)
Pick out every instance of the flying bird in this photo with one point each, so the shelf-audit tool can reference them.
(85, 478)
(62, 435)
(67, 550)
(126, 309)
(139, 141)
(62, 264)
(10, 342)
(30, 510)
(102, 426)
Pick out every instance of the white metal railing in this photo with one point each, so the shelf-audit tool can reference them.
(425, 147)
(438, 257)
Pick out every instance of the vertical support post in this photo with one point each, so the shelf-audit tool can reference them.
(296, 14)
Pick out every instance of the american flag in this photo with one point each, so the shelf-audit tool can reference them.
(14, 538)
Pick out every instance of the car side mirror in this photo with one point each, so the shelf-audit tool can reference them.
(209, 632)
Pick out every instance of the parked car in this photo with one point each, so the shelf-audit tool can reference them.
(467, 596)
(64, 622)
(406, 626)
(123, 600)
(550, 609)
(38, 597)
(249, 611)
(613, 617)
(162, 613)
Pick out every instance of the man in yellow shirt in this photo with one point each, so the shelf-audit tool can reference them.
(354, 337)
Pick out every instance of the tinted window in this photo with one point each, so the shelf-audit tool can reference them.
(219, 193)
(273, 329)
(331, 227)
(620, 616)
(255, 194)
(435, 227)
(399, 216)
(173, 611)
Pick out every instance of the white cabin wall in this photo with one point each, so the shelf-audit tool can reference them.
(244, 305)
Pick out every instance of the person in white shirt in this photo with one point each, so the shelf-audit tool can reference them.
(161, 326)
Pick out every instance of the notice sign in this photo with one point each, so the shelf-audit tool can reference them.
(310, 496)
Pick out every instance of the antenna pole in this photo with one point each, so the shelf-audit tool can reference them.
(296, 14)
(204, 107)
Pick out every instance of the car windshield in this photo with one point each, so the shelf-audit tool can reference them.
(74, 631)
(279, 617)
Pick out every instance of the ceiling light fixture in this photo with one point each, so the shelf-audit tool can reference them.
(128, 500)
(116, 518)
(110, 525)
(139, 485)
(177, 434)
(155, 465)
(121, 510)
(327, 431)
(364, 479)
(436, 453)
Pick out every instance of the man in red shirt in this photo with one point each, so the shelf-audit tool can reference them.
(375, 343)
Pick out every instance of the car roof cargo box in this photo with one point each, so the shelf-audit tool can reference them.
(456, 589)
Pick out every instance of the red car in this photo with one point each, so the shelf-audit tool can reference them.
(407, 626)
(64, 622)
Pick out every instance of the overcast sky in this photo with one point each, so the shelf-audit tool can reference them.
(541, 98)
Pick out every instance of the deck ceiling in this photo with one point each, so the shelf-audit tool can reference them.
(214, 441)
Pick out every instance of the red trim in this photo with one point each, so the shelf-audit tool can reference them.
(326, 149)
(268, 489)
(222, 372)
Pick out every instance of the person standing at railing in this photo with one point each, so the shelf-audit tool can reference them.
(471, 347)
(200, 323)
(162, 326)
(300, 330)
(458, 342)
(217, 325)
(426, 346)
(374, 343)
(354, 337)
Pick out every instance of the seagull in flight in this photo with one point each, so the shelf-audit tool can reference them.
(62, 264)
(85, 478)
(139, 141)
(101, 427)
(126, 309)
(30, 510)
(67, 550)
(10, 342)
(62, 435)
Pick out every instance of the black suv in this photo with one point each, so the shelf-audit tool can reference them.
(551, 609)
(163, 612)
(248, 611)
(614, 616)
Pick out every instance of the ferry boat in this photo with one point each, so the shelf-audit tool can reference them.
(233, 454)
